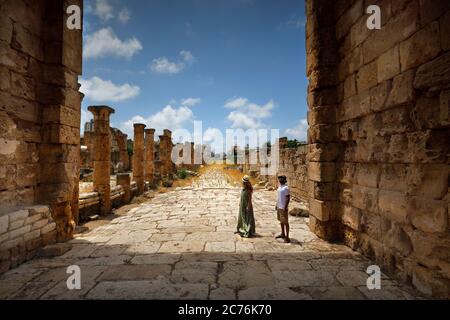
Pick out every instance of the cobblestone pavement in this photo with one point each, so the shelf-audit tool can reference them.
(181, 245)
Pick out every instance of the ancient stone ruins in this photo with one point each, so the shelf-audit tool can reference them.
(374, 172)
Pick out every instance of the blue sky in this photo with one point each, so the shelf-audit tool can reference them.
(227, 63)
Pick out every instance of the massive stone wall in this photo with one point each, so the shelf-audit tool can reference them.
(379, 134)
(40, 60)
(292, 164)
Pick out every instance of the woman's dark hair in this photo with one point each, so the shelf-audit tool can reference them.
(248, 186)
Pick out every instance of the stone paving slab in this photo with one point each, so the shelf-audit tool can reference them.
(181, 245)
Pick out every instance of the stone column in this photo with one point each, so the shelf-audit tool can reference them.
(149, 155)
(192, 156)
(124, 180)
(165, 153)
(322, 133)
(123, 151)
(102, 155)
(138, 157)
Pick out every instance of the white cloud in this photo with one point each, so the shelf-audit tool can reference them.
(124, 15)
(104, 42)
(300, 131)
(102, 9)
(236, 103)
(190, 102)
(105, 10)
(163, 65)
(99, 90)
(248, 115)
(187, 56)
(167, 118)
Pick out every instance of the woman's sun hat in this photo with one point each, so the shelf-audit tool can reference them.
(246, 178)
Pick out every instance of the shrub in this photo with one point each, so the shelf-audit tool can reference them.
(182, 174)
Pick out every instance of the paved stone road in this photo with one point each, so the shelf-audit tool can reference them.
(181, 246)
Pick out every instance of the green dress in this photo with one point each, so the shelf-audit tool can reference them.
(246, 219)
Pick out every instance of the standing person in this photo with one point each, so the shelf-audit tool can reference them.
(282, 208)
(246, 220)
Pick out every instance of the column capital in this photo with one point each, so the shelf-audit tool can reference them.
(139, 126)
(150, 131)
(101, 110)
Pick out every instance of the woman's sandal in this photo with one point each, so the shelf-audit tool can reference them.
(280, 236)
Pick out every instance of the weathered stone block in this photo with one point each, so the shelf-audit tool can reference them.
(40, 210)
(55, 133)
(22, 86)
(349, 18)
(322, 97)
(12, 59)
(350, 86)
(420, 47)
(367, 76)
(435, 73)
(32, 235)
(393, 205)
(445, 30)
(322, 133)
(393, 177)
(323, 152)
(61, 115)
(428, 215)
(11, 243)
(19, 232)
(16, 225)
(359, 32)
(425, 114)
(322, 171)
(402, 89)
(26, 42)
(400, 27)
(367, 175)
(388, 64)
(323, 210)
(371, 225)
(396, 238)
(351, 217)
(39, 224)
(48, 228)
(430, 283)
(4, 223)
(18, 215)
(427, 146)
(321, 115)
(444, 113)
(431, 10)
(427, 180)
(364, 198)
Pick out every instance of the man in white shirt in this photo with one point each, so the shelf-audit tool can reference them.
(282, 208)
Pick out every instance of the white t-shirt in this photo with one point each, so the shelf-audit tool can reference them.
(283, 192)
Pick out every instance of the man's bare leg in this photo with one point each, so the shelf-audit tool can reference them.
(282, 235)
(287, 239)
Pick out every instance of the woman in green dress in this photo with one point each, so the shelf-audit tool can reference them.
(246, 219)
